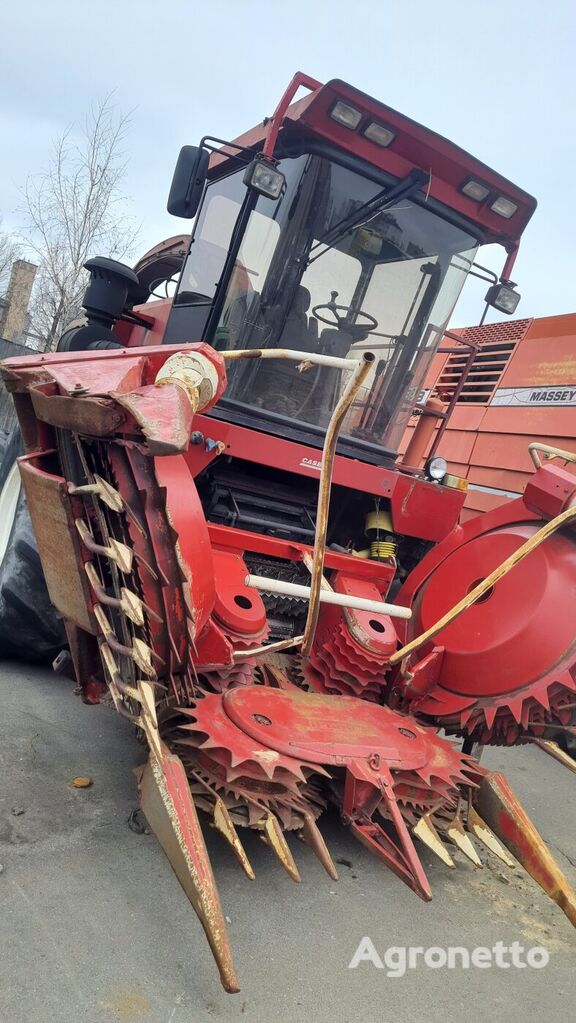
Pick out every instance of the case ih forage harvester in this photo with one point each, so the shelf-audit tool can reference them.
(286, 614)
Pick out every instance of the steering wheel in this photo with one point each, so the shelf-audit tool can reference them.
(339, 321)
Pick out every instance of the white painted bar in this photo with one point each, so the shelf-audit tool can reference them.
(290, 353)
(262, 582)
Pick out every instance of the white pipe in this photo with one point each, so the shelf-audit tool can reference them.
(292, 354)
(262, 582)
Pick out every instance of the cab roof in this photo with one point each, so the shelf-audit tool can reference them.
(448, 166)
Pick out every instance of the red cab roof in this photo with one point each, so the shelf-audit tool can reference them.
(448, 166)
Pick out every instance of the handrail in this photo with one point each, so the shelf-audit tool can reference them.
(550, 451)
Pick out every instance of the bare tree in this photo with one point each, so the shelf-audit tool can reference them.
(10, 249)
(75, 209)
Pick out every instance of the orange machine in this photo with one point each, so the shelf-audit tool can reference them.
(521, 388)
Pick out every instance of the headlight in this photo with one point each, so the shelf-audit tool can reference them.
(264, 178)
(436, 468)
(346, 115)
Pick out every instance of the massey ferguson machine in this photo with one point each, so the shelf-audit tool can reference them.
(521, 388)
(287, 615)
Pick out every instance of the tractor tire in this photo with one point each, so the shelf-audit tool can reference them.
(30, 627)
(568, 744)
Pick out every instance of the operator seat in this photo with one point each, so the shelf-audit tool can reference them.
(279, 385)
(335, 341)
(300, 332)
(244, 322)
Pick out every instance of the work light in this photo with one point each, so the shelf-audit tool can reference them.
(475, 190)
(436, 468)
(264, 177)
(379, 134)
(346, 115)
(503, 207)
(503, 298)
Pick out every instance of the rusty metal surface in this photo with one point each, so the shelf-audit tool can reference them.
(501, 810)
(97, 417)
(312, 836)
(163, 413)
(269, 745)
(553, 750)
(456, 834)
(53, 522)
(170, 811)
(95, 373)
(273, 835)
(222, 821)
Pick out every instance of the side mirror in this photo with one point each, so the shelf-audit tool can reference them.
(188, 182)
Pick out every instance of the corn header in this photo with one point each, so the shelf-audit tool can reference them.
(286, 613)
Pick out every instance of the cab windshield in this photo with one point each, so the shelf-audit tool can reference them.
(329, 268)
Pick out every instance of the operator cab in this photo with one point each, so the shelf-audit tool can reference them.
(345, 257)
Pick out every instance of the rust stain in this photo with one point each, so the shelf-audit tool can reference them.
(129, 1005)
(546, 371)
(409, 493)
(268, 754)
(51, 513)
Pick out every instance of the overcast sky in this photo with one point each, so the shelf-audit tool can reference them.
(497, 78)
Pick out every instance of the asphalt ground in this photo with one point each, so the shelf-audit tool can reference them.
(94, 926)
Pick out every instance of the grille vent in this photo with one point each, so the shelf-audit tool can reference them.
(497, 342)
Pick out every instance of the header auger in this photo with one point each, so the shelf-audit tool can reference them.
(286, 615)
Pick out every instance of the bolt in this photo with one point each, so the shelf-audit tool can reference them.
(196, 437)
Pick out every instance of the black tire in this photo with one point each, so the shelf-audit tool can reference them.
(30, 627)
(567, 742)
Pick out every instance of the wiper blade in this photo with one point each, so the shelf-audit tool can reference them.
(380, 202)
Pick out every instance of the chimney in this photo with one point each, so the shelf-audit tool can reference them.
(14, 305)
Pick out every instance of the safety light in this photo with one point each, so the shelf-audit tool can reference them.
(436, 468)
(504, 207)
(379, 134)
(475, 190)
(503, 297)
(346, 115)
(264, 178)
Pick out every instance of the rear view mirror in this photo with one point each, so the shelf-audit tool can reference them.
(188, 182)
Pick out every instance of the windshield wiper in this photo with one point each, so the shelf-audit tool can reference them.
(380, 202)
